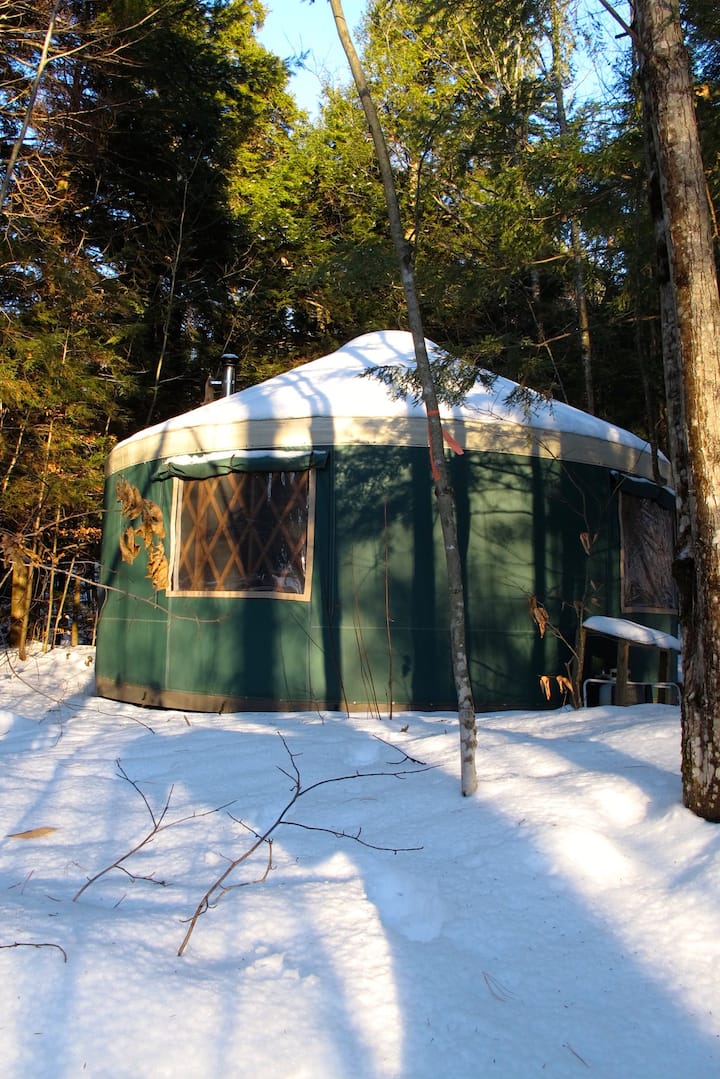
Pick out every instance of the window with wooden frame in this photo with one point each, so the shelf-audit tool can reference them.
(244, 533)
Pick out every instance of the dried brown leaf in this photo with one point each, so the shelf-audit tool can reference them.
(158, 570)
(588, 541)
(129, 547)
(130, 499)
(155, 520)
(32, 833)
(539, 615)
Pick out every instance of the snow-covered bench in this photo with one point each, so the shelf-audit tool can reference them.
(629, 634)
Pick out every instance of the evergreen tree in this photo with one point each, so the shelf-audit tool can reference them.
(489, 181)
(182, 112)
(122, 255)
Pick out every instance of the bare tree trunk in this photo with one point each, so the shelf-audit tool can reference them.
(581, 305)
(167, 321)
(29, 108)
(583, 316)
(541, 340)
(648, 343)
(693, 382)
(444, 492)
(76, 606)
(22, 576)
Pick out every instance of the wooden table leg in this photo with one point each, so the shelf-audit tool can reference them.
(621, 685)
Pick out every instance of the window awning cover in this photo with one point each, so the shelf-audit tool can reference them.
(200, 466)
(643, 488)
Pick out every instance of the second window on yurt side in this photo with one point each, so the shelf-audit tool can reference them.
(244, 533)
(647, 528)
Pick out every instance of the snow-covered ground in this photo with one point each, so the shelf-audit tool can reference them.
(564, 921)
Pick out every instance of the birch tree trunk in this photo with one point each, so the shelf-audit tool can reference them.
(445, 495)
(576, 247)
(692, 374)
(30, 107)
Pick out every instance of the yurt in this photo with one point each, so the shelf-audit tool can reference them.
(279, 548)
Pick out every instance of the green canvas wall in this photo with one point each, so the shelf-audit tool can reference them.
(375, 628)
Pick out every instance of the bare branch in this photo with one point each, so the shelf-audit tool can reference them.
(405, 756)
(141, 876)
(218, 888)
(631, 33)
(258, 880)
(158, 825)
(355, 836)
(32, 944)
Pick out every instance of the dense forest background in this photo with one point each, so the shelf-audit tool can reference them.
(164, 201)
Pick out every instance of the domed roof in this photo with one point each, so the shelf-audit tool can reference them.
(335, 400)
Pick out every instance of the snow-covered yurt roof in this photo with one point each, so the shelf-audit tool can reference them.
(331, 401)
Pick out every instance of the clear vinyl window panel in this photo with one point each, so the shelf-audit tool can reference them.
(244, 533)
(648, 541)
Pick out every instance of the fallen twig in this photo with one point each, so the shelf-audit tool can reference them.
(158, 825)
(218, 888)
(355, 836)
(32, 944)
(405, 756)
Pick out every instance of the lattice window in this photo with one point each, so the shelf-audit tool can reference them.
(245, 532)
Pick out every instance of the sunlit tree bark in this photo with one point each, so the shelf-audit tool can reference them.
(692, 362)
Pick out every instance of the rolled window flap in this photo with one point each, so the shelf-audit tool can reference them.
(642, 488)
(201, 466)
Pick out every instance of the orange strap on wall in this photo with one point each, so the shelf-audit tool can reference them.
(447, 438)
